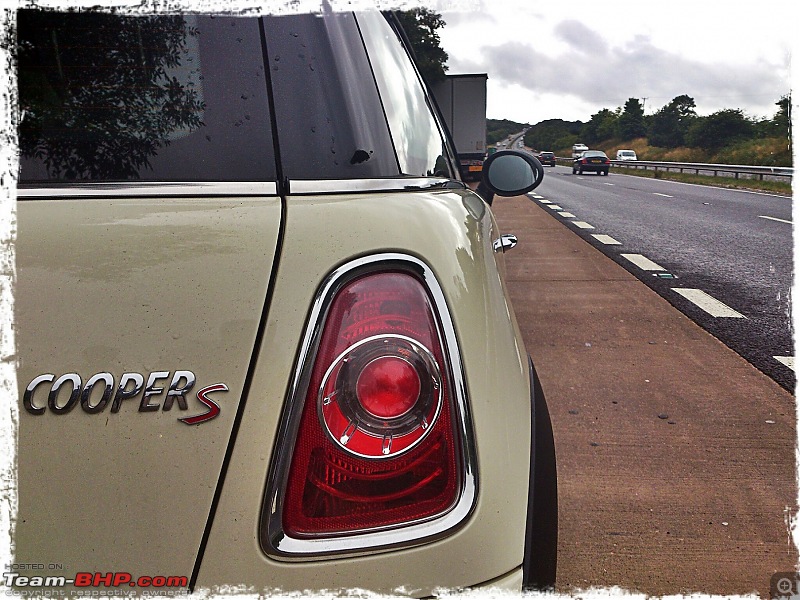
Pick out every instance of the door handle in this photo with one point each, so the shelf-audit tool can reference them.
(505, 242)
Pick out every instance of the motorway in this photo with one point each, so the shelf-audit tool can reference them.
(676, 456)
(723, 257)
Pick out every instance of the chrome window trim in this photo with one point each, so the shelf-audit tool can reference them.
(274, 541)
(140, 189)
(301, 187)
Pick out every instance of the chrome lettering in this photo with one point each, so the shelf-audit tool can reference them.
(123, 393)
(27, 398)
(52, 399)
(178, 393)
(151, 390)
(87, 406)
(100, 390)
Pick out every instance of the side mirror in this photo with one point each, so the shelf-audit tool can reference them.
(509, 173)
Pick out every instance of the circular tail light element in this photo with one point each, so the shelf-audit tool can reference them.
(380, 397)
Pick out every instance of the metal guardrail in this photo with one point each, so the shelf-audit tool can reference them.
(735, 170)
(700, 168)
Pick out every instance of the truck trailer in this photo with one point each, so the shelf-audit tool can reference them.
(462, 102)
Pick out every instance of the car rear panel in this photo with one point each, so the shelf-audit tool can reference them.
(489, 542)
(132, 285)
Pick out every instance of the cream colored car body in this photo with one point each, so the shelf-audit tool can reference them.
(119, 280)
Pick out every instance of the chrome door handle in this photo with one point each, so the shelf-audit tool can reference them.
(505, 243)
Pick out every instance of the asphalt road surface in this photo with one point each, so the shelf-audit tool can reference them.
(676, 457)
(731, 249)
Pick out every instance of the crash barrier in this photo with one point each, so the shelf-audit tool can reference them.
(748, 171)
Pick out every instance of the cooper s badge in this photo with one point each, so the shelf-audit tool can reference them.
(100, 390)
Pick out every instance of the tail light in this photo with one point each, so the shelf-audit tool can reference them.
(379, 437)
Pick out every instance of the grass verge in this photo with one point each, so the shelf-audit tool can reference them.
(777, 187)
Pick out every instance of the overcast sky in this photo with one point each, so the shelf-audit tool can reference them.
(547, 60)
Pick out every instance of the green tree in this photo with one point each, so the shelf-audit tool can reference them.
(421, 25)
(631, 122)
(601, 126)
(723, 128)
(668, 127)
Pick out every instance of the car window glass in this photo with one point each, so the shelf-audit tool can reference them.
(417, 139)
(106, 97)
(330, 120)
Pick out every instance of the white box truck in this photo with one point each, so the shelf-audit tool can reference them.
(462, 101)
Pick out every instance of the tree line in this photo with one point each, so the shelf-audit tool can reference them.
(675, 125)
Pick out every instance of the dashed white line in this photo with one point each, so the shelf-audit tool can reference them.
(775, 219)
(582, 225)
(606, 239)
(665, 195)
(536, 196)
(604, 183)
(708, 303)
(786, 360)
(554, 207)
(643, 262)
(543, 201)
(567, 215)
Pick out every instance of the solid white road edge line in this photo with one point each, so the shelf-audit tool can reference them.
(708, 303)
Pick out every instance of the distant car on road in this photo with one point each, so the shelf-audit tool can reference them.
(626, 155)
(591, 160)
(579, 149)
(547, 158)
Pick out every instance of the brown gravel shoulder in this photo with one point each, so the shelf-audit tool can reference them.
(676, 457)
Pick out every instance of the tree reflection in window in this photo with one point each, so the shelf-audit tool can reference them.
(101, 93)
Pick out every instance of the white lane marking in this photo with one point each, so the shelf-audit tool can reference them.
(554, 207)
(643, 262)
(606, 239)
(708, 303)
(607, 183)
(665, 195)
(567, 215)
(582, 224)
(536, 196)
(786, 360)
(775, 219)
(543, 201)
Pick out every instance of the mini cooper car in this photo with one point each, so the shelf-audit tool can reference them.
(263, 337)
(591, 161)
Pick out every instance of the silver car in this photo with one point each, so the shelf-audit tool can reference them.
(264, 340)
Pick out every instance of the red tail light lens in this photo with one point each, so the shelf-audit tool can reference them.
(376, 445)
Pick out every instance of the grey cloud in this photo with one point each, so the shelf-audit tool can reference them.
(637, 70)
(581, 38)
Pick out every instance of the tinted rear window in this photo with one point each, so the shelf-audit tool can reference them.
(331, 123)
(156, 98)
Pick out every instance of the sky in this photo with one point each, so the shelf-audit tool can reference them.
(545, 60)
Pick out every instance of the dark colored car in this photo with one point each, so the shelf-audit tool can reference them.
(547, 158)
(591, 160)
